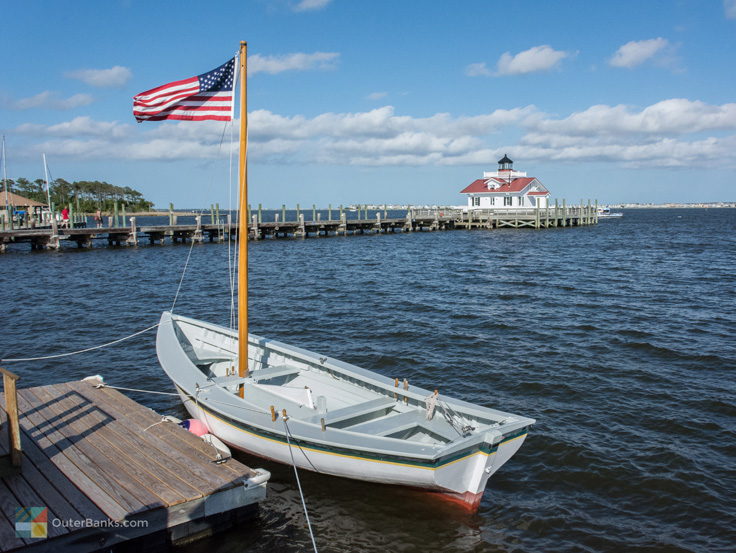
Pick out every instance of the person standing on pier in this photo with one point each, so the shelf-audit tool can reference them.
(65, 217)
(98, 218)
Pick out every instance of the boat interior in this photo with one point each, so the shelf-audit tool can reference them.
(315, 390)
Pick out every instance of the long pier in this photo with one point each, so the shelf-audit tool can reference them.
(415, 220)
(88, 469)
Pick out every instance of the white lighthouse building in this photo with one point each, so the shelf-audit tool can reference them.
(506, 189)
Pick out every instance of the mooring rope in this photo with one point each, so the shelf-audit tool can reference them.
(58, 355)
(299, 485)
(103, 385)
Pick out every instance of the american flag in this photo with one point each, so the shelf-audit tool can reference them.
(208, 96)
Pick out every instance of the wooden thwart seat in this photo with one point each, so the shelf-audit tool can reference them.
(226, 381)
(354, 411)
(387, 425)
(400, 422)
(274, 372)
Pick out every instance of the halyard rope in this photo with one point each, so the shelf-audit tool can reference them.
(58, 355)
(299, 485)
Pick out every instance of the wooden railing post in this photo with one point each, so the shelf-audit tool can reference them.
(11, 408)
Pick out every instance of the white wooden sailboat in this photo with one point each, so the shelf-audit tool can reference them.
(290, 405)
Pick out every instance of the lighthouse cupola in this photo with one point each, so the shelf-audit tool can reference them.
(505, 164)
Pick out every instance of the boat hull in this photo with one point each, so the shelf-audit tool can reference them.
(462, 480)
(457, 466)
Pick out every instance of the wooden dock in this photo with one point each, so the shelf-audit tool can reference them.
(415, 220)
(110, 474)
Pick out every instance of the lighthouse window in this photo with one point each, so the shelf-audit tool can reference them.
(476, 200)
(507, 200)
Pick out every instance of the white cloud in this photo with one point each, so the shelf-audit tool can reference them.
(729, 6)
(292, 62)
(115, 77)
(478, 70)
(309, 5)
(671, 133)
(377, 95)
(79, 126)
(49, 100)
(637, 52)
(668, 117)
(537, 58)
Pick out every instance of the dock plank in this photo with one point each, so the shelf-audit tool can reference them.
(39, 462)
(172, 441)
(41, 478)
(116, 465)
(8, 539)
(158, 463)
(187, 443)
(47, 495)
(114, 501)
(7, 520)
(26, 496)
(82, 458)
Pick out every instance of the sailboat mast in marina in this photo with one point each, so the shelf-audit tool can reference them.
(5, 182)
(291, 405)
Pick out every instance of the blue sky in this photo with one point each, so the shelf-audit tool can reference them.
(377, 101)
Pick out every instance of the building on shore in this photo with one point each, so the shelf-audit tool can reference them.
(21, 207)
(506, 189)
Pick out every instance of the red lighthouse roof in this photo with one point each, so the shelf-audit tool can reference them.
(503, 186)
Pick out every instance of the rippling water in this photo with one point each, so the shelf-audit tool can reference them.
(618, 338)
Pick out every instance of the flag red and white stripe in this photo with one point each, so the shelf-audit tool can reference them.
(207, 97)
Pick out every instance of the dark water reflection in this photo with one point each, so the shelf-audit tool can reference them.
(617, 338)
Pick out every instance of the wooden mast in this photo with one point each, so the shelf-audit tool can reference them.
(243, 222)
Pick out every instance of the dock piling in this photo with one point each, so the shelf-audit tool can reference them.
(11, 409)
(133, 237)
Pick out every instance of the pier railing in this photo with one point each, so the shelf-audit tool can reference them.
(283, 223)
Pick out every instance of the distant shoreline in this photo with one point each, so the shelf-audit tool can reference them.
(674, 206)
(394, 207)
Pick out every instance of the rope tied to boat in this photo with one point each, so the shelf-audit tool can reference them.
(101, 384)
(285, 418)
(58, 355)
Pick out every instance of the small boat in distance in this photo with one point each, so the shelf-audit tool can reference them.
(606, 213)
